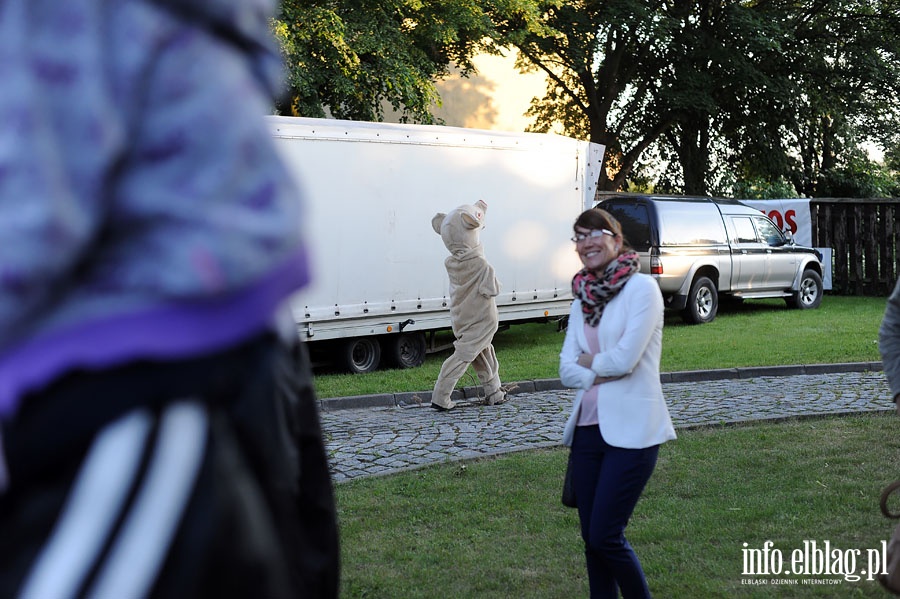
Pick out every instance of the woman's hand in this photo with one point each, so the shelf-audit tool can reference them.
(585, 360)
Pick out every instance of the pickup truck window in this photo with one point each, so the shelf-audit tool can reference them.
(689, 224)
(743, 226)
(635, 221)
(768, 231)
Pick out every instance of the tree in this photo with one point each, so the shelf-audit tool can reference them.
(639, 75)
(770, 89)
(750, 93)
(347, 58)
(834, 81)
(603, 61)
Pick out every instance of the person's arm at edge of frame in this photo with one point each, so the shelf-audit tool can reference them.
(889, 343)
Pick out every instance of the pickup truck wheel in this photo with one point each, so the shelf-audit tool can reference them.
(406, 350)
(809, 295)
(702, 302)
(360, 355)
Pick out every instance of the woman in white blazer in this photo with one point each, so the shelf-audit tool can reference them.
(611, 355)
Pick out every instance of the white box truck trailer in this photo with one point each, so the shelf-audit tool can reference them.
(379, 289)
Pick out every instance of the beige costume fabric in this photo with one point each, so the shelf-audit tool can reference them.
(473, 309)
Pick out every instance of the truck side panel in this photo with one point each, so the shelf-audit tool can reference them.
(372, 189)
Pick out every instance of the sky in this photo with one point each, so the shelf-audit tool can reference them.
(495, 98)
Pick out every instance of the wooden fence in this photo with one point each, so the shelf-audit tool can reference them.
(864, 235)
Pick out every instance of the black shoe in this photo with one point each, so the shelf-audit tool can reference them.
(442, 408)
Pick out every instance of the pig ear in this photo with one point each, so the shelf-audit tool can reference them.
(437, 221)
(470, 221)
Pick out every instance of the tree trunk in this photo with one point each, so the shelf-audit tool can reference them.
(693, 155)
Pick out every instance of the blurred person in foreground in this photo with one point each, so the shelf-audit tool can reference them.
(611, 355)
(889, 343)
(158, 438)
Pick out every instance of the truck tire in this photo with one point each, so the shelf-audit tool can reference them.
(360, 355)
(405, 350)
(702, 302)
(809, 295)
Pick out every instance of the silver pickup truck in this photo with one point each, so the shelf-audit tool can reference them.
(700, 248)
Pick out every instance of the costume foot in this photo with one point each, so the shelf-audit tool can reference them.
(441, 408)
(497, 397)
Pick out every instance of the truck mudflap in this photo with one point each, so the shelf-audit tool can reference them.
(675, 302)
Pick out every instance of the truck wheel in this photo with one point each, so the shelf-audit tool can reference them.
(359, 355)
(809, 295)
(406, 350)
(702, 302)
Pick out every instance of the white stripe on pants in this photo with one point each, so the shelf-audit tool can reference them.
(98, 497)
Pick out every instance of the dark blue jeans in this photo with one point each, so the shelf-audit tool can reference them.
(608, 483)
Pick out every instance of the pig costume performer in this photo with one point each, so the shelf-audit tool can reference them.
(473, 309)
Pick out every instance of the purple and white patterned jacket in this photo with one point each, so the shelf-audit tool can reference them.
(143, 210)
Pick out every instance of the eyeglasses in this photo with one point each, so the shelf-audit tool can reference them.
(593, 234)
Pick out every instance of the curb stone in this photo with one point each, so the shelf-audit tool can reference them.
(409, 399)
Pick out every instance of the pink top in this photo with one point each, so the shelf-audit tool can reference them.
(588, 414)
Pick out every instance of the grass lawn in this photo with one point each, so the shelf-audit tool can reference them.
(754, 333)
(494, 528)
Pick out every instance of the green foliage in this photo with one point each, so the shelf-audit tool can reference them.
(770, 91)
(831, 78)
(860, 178)
(759, 188)
(610, 75)
(350, 58)
(761, 93)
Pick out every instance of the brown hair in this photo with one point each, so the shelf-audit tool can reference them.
(597, 218)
